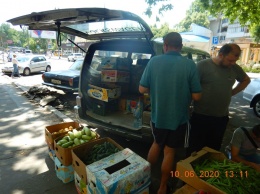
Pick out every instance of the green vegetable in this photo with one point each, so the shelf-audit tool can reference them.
(231, 178)
(87, 131)
(100, 151)
(86, 137)
(65, 145)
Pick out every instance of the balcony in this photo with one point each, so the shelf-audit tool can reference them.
(222, 33)
(223, 25)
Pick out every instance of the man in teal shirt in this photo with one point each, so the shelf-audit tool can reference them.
(172, 82)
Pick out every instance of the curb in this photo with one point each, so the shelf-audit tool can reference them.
(63, 117)
(59, 114)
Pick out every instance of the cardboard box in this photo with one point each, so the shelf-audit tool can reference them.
(80, 152)
(64, 154)
(187, 174)
(124, 63)
(122, 104)
(186, 189)
(51, 153)
(50, 137)
(80, 185)
(109, 63)
(144, 191)
(104, 94)
(116, 63)
(102, 108)
(115, 76)
(64, 173)
(122, 172)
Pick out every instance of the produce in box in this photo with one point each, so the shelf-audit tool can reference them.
(63, 130)
(77, 137)
(100, 151)
(229, 176)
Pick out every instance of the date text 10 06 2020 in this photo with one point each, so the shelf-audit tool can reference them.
(209, 174)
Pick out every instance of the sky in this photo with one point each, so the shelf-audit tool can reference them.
(14, 8)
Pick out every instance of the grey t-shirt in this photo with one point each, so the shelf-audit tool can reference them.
(217, 83)
(241, 141)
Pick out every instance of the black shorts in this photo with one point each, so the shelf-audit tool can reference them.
(172, 138)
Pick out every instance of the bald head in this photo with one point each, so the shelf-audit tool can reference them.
(232, 49)
(228, 55)
(173, 39)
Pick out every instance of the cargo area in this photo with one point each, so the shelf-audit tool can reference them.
(113, 90)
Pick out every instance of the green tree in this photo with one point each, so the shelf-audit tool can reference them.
(245, 11)
(163, 6)
(160, 32)
(194, 15)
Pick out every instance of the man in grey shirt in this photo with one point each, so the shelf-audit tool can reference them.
(210, 116)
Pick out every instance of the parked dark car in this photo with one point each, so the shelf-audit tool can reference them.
(108, 95)
(66, 80)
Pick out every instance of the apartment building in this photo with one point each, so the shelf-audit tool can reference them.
(227, 32)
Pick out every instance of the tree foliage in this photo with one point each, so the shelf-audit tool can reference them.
(247, 12)
(196, 15)
(160, 32)
(164, 6)
(21, 38)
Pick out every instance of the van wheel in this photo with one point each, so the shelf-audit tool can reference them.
(48, 68)
(26, 71)
(256, 106)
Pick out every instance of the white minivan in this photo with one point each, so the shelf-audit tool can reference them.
(122, 44)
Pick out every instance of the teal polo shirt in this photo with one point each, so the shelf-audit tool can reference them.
(171, 78)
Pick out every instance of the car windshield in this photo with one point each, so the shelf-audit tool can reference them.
(77, 54)
(22, 59)
(76, 65)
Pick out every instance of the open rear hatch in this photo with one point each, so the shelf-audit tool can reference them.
(89, 23)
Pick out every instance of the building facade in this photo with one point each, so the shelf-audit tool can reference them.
(227, 32)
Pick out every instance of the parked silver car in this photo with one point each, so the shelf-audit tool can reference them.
(74, 56)
(29, 64)
(252, 94)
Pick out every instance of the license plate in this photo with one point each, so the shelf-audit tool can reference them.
(55, 81)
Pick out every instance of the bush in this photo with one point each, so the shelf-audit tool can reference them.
(246, 68)
(249, 69)
(255, 70)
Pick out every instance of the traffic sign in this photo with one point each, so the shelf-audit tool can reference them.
(214, 40)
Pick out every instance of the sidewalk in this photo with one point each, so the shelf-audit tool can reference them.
(25, 166)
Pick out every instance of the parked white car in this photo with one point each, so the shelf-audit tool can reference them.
(252, 94)
(28, 64)
(74, 56)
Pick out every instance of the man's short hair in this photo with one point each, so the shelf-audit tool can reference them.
(229, 48)
(256, 130)
(173, 39)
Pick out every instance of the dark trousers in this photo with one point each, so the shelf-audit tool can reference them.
(206, 131)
